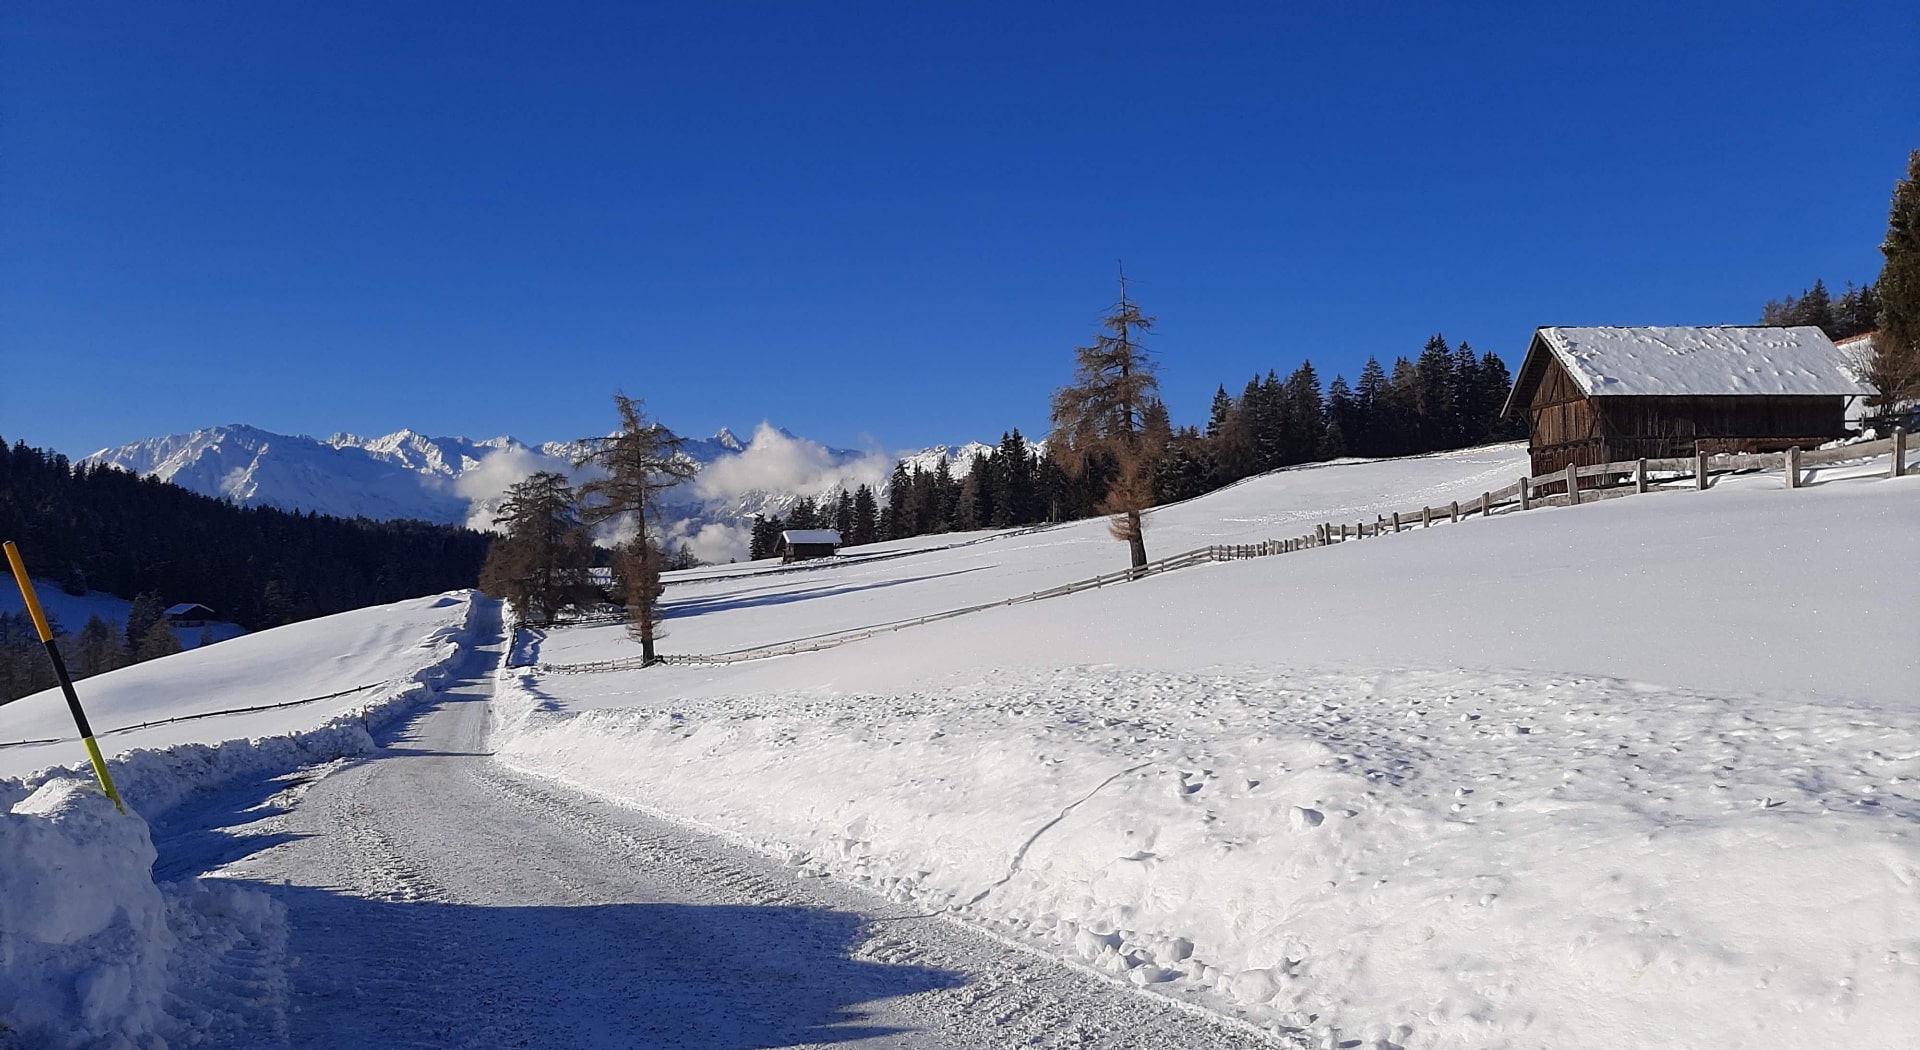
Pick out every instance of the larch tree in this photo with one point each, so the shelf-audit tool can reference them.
(640, 461)
(1101, 414)
(540, 562)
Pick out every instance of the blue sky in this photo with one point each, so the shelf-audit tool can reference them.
(885, 224)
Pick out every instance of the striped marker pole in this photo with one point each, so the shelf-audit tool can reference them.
(60, 670)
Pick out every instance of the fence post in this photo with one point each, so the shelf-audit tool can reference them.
(1793, 467)
(1343, 532)
(1640, 476)
(1486, 504)
(1526, 497)
(1426, 517)
(1700, 471)
(1573, 485)
(1453, 511)
(1396, 521)
(1899, 466)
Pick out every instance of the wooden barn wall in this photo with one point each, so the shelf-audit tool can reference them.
(1633, 427)
(1562, 423)
(1566, 426)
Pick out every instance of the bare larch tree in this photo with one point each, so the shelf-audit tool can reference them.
(640, 460)
(1101, 416)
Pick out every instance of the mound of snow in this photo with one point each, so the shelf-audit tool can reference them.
(97, 955)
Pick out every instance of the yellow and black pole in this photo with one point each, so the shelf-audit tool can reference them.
(60, 670)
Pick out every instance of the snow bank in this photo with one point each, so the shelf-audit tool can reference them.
(93, 949)
(1635, 774)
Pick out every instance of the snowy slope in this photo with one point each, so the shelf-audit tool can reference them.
(760, 610)
(459, 481)
(385, 647)
(1638, 773)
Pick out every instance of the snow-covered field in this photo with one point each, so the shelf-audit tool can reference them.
(1638, 773)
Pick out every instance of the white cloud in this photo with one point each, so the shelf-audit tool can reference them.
(484, 484)
(776, 462)
(719, 543)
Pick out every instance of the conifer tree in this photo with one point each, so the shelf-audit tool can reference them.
(540, 561)
(1013, 482)
(899, 519)
(641, 460)
(945, 497)
(1305, 415)
(1099, 413)
(1894, 367)
(159, 640)
(843, 515)
(1218, 411)
(1340, 419)
(1365, 436)
(144, 613)
(97, 648)
(866, 517)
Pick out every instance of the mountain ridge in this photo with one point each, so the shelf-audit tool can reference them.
(459, 480)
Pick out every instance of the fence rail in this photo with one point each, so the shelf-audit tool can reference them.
(1613, 479)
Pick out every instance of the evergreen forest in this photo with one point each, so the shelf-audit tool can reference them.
(102, 529)
(1447, 397)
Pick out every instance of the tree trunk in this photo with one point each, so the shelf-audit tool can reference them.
(1136, 540)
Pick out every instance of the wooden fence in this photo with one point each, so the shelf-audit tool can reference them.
(1573, 486)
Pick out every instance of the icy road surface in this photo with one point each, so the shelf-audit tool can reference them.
(438, 900)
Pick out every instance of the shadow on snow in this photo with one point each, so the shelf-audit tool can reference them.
(393, 972)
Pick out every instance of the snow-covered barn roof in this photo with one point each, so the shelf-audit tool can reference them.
(797, 536)
(187, 607)
(1690, 361)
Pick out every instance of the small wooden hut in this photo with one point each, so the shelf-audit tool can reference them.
(189, 614)
(801, 544)
(1608, 395)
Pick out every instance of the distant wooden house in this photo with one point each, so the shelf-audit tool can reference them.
(189, 614)
(801, 544)
(1608, 395)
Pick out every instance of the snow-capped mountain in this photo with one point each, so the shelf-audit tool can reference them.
(456, 480)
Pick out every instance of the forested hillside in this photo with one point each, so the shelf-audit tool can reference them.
(104, 529)
(1446, 398)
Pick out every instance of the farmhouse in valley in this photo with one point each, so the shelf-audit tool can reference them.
(1607, 395)
(801, 544)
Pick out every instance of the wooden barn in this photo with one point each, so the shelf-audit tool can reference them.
(189, 614)
(1607, 395)
(801, 544)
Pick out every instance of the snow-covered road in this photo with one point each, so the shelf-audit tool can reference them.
(438, 899)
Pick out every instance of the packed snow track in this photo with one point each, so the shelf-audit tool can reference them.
(436, 899)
